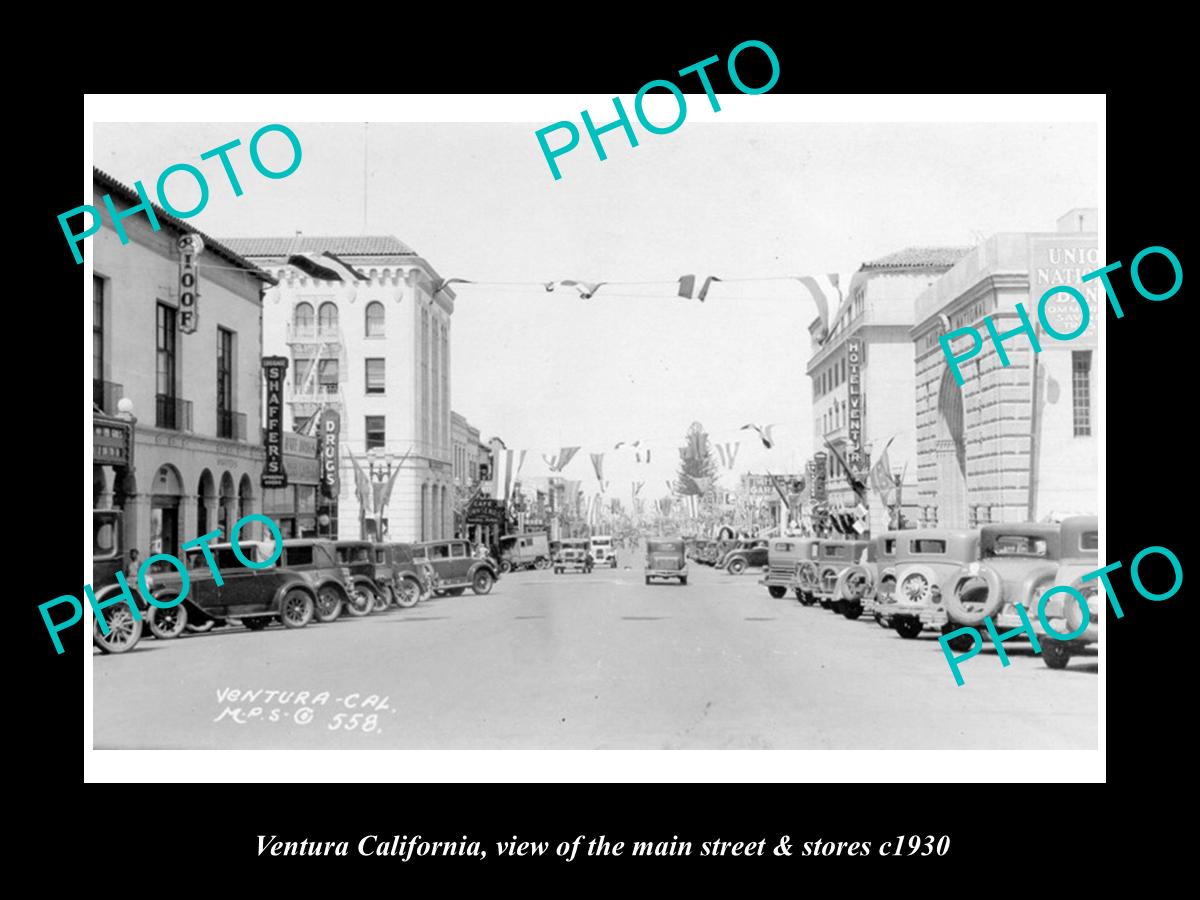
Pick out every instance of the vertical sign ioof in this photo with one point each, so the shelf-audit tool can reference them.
(274, 475)
(190, 246)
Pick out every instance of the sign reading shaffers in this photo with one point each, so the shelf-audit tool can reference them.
(274, 370)
(330, 426)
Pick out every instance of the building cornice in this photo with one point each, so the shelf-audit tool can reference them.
(1015, 280)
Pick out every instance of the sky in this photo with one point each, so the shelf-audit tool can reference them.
(738, 200)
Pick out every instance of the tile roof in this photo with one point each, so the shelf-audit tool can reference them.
(211, 244)
(919, 257)
(363, 245)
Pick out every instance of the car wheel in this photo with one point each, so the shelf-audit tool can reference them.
(851, 609)
(541, 563)
(647, 579)
(482, 582)
(362, 600)
(329, 604)
(1056, 654)
(124, 631)
(296, 610)
(166, 624)
(736, 566)
(908, 627)
(613, 563)
(201, 627)
(682, 580)
(776, 591)
(408, 592)
(383, 600)
(960, 644)
(505, 567)
(838, 606)
(879, 621)
(256, 623)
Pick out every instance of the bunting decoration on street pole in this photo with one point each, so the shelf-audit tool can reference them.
(764, 433)
(598, 465)
(727, 453)
(362, 488)
(881, 476)
(586, 289)
(383, 492)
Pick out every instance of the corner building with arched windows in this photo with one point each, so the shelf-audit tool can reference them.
(366, 333)
(1018, 442)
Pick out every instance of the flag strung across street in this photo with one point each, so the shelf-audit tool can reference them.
(764, 433)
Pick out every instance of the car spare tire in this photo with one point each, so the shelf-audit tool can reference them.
(974, 596)
(853, 583)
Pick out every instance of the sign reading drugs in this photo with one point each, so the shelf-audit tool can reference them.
(854, 387)
(190, 246)
(330, 428)
(274, 475)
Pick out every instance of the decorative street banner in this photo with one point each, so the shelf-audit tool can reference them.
(190, 246)
(854, 382)
(274, 475)
(329, 431)
(818, 482)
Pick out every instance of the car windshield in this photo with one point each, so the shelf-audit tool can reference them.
(1018, 545)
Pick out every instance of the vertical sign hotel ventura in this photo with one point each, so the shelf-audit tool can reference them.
(854, 389)
(274, 475)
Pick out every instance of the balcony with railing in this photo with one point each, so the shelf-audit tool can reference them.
(106, 395)
(172, 412)
(315, 392)
(231, 425)
(313, 334)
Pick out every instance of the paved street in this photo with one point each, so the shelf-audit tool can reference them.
(588, 661)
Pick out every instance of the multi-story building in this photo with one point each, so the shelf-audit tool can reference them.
(866, 352)
(189, 378)
(1014, 442)
(366, 330)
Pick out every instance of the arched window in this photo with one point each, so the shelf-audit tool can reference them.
(374, 319)
(302, 318)
(327, 318)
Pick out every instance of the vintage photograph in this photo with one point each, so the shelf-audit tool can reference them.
(443, 452)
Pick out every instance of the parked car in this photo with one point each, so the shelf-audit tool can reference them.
(930, 563)
(707, 553)
(366, 595)
(603, 552)
(842, 576)
(109, 558)
(804, 582)
(410, 580)
(1014, 560)
(255, 597)
(456, 569)
(1079, 554)
(783, 556)
(883, 574)
(665, 559)
(745, 555)
(575, 556)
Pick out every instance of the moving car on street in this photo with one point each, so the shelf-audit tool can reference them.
(524, 551)
(109, 558)
(930, 563)
(1079, 554)
(574, 555)
(783, 557)
(603, 552)
(665, 559)
(456, 569)
(745, 555)
(1016, 561)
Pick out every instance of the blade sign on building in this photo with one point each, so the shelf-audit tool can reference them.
(854, 388)
(190, 246)
(274, 475)
(330, 427)
(819, 494)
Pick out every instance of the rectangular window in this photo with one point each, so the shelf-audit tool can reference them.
(224, 383)
(98, 338)
(375, 432)
(328, 376)
(375, 380)
(927, 545)
(300, 556)
(166, 409)
(1081, 391)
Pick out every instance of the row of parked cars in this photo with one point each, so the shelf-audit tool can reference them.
(934, 579)
(734, 556)
(312, 579)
